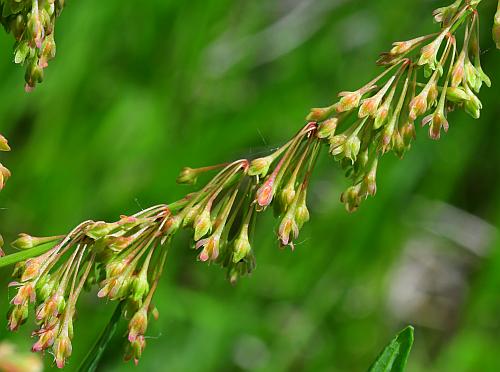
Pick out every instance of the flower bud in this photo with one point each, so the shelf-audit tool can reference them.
(287, 194)
(62, 349)
(327, 128)
(260, 166)
(202, 224)
(190, 216)
(418, 105)
(319, 114)
(26, 241)
(349, 101)
(457, 74)
(138, 324)
(187, 176)
(456, 94)
(242, 246)
(4, 145)
(473, 105)
(352, 147)
(140, 286)
(4, 176)
(18, 315)
(265, 193)
(436, 121)
(288, 226)
(351, 198)
(302, 213)
(337, 144)
(100, 229)
(210, 248)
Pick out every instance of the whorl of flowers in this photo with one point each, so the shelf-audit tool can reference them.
(31, 23)
(424, 77)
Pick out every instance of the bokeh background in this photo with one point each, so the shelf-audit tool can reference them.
(140, 89)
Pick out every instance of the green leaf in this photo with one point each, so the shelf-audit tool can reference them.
(92, 359)
(395, 355)
(24, 255)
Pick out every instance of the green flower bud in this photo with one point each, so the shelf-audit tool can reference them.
(4, 144)
(26, 241)
(202, 224)
(456, 94)
(260, 166)
(187, 176)
(327, 128)
(100, 229)
(242, 246)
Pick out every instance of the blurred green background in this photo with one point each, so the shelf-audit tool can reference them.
(140, 89)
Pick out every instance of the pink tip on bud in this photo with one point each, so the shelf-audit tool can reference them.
(265, 193)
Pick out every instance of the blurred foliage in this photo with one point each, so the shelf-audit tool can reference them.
(137, 92)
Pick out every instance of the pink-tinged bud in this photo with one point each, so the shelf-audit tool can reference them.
(135, 349)
(187, 176)
(408, 132)
(18, 315)
(62, 349)
(115, 267)
(25, 294)
(288, 230)
(327, 128)
(429, 52)
(265, 193)
(349, 101)
(138, 324)
(172, 225)
(418, 105)
(457, 74)
(496, 28)
(2, 253)
(445, 14)
(436, 121)
(260, 167)
(369, 106)
(46, 340)
(4, 144)
(321, 113)
(202, 224)
(381, 116)
(210, 248)
(433, 95)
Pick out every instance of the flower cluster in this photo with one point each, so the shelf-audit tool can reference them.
(31, 23)
(124, 259)
(380, 116)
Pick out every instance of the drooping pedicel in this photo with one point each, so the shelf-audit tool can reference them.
(424, 78)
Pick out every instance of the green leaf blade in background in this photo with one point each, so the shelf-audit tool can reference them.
(395, 355)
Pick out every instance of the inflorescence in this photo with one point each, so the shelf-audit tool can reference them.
(31, 23)
(426, 77)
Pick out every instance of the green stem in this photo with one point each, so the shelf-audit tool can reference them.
(92, 359)
(24, 255)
